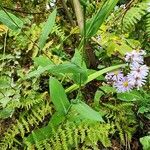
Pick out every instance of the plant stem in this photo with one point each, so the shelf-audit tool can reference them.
(84, 43)
(68, 13)
(79, 14)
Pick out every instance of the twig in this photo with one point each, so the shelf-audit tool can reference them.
(24, 12)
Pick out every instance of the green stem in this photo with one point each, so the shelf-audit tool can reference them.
(79, 14)
(94, 76)
(84, 42)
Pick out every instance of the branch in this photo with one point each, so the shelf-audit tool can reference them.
(24, 12)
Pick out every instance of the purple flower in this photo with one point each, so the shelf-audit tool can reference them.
(136, 81)
(114, 76)
(135, 56)
(138, 70)
(123, 85)
(138, 74)
(109, 76)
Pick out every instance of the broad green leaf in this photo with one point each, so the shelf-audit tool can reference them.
(130, 96)
(58, 96)
(97, 20)
(94, 76)
(62, 68)
(87, 112)
(42, 61)
(97, 97)
(108, 89)
(77, 59)
(111, 48)
(145, 141)
(123, 48)
(47, 29)
(10, 20)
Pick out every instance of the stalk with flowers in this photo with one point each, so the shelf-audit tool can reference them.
(136, 78)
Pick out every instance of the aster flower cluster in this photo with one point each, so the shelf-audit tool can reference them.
(136, 78)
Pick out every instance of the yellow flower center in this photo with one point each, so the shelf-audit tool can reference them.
(125, 84)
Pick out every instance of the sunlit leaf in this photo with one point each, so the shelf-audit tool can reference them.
(130, 96)
(145, 141)
(47, 29)
(108, 89)
(10, 20)
(58, 96)
(97, 20)
(87, 112)
(78, 60)
(62, 68)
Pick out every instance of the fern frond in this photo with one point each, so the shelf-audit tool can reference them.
(123, 118)
(147, 20)
(71, 135)
(27, 120)
(134, 15)
(57, 29)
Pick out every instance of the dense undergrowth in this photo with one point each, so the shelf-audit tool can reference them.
(56, 62)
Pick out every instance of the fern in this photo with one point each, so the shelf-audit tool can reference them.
(28, 101)
(134, 15)
(71, 135)
(23, 125)
(57, 29)
(147, 20)
(123, 118)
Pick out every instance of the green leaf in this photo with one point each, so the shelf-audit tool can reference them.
(42, 61)
(58, 96)
(145, 141)
(94, 76)
(78, 60)
(130, 96)
(62, 68)
(97, 20)
(97, 97)
(10, 20)
(87, 112)
(47, 29)
(108, 89)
